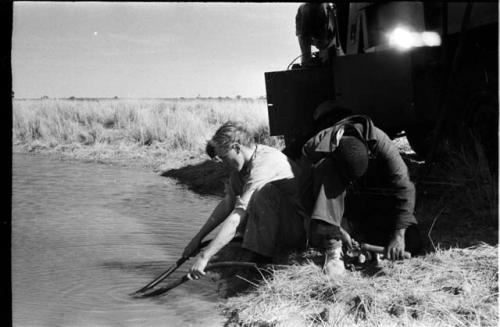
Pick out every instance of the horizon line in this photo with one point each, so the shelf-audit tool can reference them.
(139, 98)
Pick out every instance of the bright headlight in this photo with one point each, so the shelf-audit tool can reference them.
(404, 39)
(431, 39)
(401, 38)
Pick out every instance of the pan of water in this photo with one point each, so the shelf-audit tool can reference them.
(85, 235)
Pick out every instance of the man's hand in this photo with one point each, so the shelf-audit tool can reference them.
(347, 240)
(197, 270)
(191, 247)
(396, 247)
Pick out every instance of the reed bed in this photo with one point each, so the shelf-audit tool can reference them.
(146, 130)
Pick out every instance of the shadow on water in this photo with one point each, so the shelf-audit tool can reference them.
(205, 178)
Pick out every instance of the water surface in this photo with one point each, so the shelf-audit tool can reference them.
(86, 235)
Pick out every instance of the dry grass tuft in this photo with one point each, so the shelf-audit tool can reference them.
(456, 287)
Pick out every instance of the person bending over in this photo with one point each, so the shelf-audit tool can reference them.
(361, 189)
(261, 200)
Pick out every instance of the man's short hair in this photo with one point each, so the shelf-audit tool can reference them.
(230, 132)
(210, 149)
(352, 158)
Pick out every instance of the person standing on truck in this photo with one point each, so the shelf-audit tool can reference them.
(261, 200)
(361, 190)
(316, 25)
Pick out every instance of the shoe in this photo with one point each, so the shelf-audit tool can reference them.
(334, 265)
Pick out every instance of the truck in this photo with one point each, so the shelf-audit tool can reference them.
(427, 70)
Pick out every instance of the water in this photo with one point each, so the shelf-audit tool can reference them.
(85, 235)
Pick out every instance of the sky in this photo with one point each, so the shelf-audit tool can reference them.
(149, 50)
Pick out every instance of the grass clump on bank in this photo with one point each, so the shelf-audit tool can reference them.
(456, 287)
(152, 132)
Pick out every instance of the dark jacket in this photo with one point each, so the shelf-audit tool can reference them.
(385, 191)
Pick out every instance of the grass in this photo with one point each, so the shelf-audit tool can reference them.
(455, 287)
(152, 133)
(454, 284)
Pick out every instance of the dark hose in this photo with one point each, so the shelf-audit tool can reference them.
(183, 279)
(176, 265)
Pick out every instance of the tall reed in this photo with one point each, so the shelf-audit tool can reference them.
(175, 124)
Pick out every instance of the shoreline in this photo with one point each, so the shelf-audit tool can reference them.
(165, 136)
(460, 273)
(193, 169)
(158, 161)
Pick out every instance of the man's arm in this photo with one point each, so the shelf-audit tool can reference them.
(221, 211)
(223, 237)
(305, 49)
(304, 43)
(396, 248)
(404, 192)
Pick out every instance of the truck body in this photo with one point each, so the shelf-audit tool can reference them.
(402, 90)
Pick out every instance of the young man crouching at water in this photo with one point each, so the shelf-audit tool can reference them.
(261, 199)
